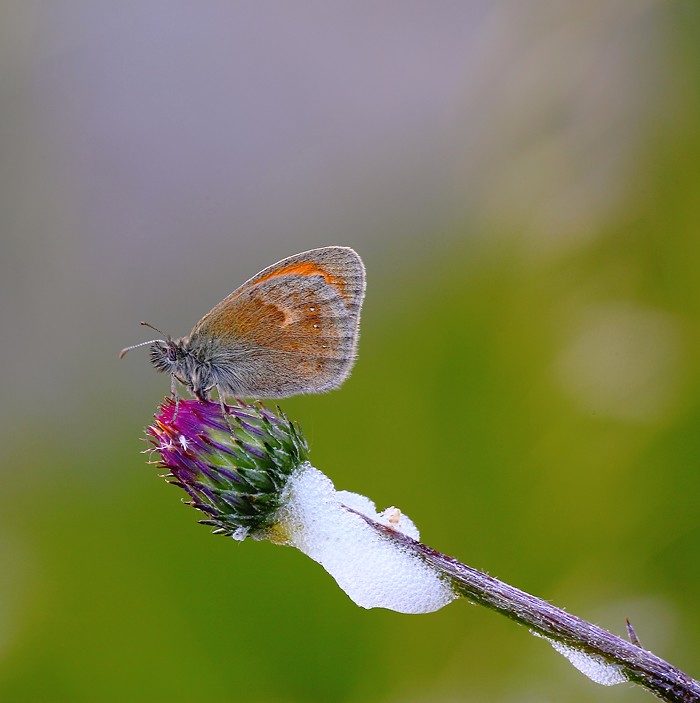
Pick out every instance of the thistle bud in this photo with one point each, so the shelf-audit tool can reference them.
(233, 466)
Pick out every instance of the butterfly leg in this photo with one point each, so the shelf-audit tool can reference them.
(223, 408)
(175, 394)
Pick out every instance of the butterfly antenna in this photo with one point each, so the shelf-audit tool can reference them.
(123, 352)
(148, 324)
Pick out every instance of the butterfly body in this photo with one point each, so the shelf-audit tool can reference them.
(291, 329)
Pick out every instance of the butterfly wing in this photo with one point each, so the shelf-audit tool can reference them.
(290, 329)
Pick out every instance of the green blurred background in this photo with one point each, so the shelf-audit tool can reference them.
(523, 183)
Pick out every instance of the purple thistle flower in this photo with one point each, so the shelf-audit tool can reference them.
(233, 468)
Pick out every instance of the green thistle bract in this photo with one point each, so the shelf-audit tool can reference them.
(233, 468)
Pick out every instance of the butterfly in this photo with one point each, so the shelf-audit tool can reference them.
(291, 329)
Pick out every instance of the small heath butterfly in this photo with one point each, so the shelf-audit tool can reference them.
(290, 329)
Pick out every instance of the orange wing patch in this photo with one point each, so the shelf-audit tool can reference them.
(307, 268)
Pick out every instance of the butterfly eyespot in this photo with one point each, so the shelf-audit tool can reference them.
(312, 309)
(316, 326)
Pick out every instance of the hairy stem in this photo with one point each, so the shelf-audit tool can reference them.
(639, 665)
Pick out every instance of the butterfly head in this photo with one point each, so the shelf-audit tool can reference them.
(168, 355)
(186, 362)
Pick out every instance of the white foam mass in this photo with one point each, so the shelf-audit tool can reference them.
(374, 571)
(593, 666)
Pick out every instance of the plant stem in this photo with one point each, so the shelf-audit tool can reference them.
(639, 665)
